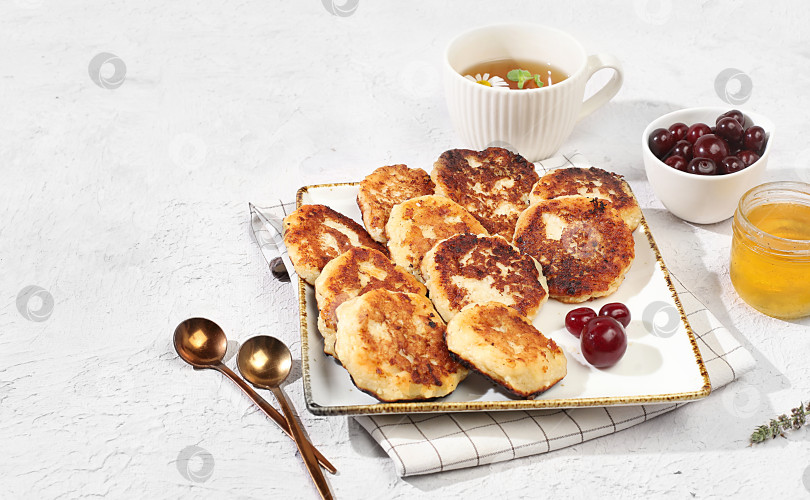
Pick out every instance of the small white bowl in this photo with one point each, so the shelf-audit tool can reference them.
(702, 199)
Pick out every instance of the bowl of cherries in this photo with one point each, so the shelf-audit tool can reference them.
(700, 161)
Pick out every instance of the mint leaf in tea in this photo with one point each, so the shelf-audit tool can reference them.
(515, 74)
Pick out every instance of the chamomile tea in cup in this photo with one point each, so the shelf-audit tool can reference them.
(521, 86)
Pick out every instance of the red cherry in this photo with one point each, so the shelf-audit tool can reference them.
(677, 162)
(748, 157)
(730, 165)
(754, 139)
(696, 131)
(730, 129)
(576, 319)
(737, 115)
(678, 130)
(712, 147)
(660, 142)
(683, 148)
(701, 166)
(617, 311)
(603, 341)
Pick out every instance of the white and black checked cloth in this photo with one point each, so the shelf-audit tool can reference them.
(434, 442)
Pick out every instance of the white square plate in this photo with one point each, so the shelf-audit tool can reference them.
(662, 362)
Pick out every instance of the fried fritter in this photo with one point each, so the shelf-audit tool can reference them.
(351, 274)
(583, 244)
(474, 269)
(392, 344)
(591, 182)
(386, 187)
(417, 224)
(316, 234)
(493, 185)
(502, 344)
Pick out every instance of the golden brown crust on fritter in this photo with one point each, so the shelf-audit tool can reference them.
(582, 243)
(493, 185)
(417, 224)
(316, 234)
(468, 268)
(501, 344)
(392, 344)
(351, 274)
(591, 182)
(386, 187)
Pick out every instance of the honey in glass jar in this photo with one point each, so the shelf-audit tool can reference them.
(770, 249)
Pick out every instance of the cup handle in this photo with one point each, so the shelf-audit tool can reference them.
(606, 93)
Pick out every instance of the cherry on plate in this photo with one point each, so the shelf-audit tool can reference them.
(660, 142)
(712, 147)
(603, 342)
(576, 319)
(677, 162)
(617, 311)
(701, 166)
(696, 131)
(748, 157)
(678, 130)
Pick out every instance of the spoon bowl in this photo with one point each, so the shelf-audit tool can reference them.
(200, 342)
(264, 361)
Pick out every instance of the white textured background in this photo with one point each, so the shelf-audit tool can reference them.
(129, 206)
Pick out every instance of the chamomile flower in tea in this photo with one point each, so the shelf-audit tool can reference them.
(489, 81)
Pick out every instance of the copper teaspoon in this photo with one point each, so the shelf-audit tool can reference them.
(265, 362)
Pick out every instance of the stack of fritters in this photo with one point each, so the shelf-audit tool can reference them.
(392, 344)
(475, 269)
(351, 274)
(574, 243)
(493, 185)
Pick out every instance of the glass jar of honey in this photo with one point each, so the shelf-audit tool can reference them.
(770, 249)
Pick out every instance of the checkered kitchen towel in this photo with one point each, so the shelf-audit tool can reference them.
(435, 442)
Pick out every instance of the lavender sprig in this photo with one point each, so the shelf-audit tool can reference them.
(777, 426)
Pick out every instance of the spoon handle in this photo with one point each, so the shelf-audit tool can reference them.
(272, 413)
(301, 441)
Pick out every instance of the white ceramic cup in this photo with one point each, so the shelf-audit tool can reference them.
(532, 122)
